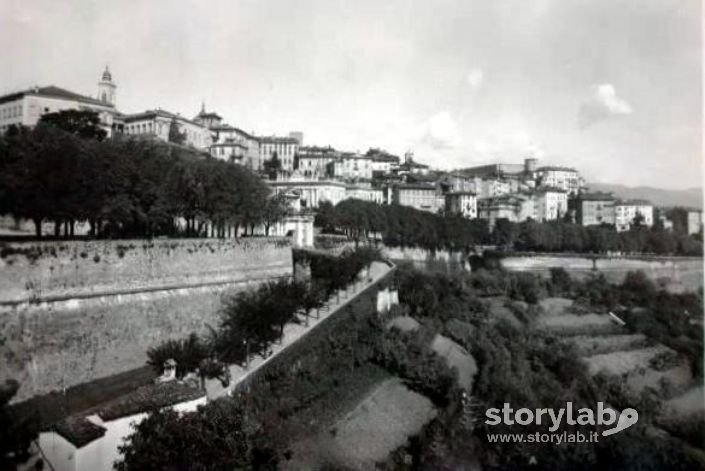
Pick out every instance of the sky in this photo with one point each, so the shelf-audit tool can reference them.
(610, 87)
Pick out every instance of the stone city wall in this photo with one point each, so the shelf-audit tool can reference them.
(72, 312)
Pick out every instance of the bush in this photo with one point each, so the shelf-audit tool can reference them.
(188, 355)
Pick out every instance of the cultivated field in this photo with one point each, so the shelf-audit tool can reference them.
(377, 425)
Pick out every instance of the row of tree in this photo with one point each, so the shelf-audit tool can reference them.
(405, 226)
(253, 320)
(63, 171)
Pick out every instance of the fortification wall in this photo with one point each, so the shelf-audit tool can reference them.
(72, 312)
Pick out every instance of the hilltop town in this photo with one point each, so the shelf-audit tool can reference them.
(307, 175)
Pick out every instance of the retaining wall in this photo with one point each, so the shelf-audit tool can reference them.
(72, 312)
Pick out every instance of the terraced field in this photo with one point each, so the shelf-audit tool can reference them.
(608, 347)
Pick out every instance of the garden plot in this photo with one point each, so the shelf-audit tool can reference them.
(674, 380)
(379, 424)
(688, 404)
(623, 362)
(404, 323)
(577, 324)
(588, 345)
(555, 306)
(456, 357)
(498, 311)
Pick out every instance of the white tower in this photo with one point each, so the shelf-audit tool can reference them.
(106, 88)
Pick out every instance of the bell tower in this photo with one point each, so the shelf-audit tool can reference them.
(106, 88)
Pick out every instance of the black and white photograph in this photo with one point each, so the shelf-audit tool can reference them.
(325, 235)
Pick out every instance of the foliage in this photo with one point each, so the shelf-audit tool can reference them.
(16, 433)
(188, 354)
(81, 123)
(408, 227)
(175, 134)
(408, 355)
(125, 186)
(220, 435)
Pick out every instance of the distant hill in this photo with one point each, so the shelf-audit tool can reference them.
(692, 197)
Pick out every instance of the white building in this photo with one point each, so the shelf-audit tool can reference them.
(550, 204)
(384, 163)
(565, 178)
(695, 221)
(626, 211)
(352, 167)
(285, 148)
(26, 108)
(491, 188)
(311, 193)
(419, 196)
(463, 203)
(90, 443)
(235, 145)
(157, 123)
(373, 195)
(313, 162)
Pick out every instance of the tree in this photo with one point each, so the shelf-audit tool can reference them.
(272, 166)
(81, 123)
(220, 435)
(175, 134)
(275, 210)
(16, 433)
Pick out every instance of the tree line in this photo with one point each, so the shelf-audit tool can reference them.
(408, 227)
(253, 320)
(65, 171)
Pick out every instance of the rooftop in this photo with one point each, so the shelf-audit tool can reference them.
(556, 169)
(151, 114)
(634, 202)
(80, 431)
(227, 127)
(277, 140)
(596, 196)
(53, 92)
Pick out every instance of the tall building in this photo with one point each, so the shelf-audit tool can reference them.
(107, 88)
(352, 167)
(565, 178)
(695, 221)
(26, 108)
(551, 204)
(463, 203)
(419, 196)
(626, 211)
(235, 145)
(159, 123)
(592, 209)
(285, 148)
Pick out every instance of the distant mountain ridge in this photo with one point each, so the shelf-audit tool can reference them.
(691, 197)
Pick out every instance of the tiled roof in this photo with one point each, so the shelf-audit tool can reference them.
(227, 127)
(597, 196)
(149, 397)
(151, 114)
(634, 202)
(557, 169)
(277, 140)
(53, 92)
(79, 431)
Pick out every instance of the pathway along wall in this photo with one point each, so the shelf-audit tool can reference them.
(72, 312)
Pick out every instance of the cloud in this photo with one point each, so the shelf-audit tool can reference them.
(441, 131)
(604, 103)
(475, 78)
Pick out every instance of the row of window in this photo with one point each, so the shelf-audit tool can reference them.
(280, 149)
(11, 112)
